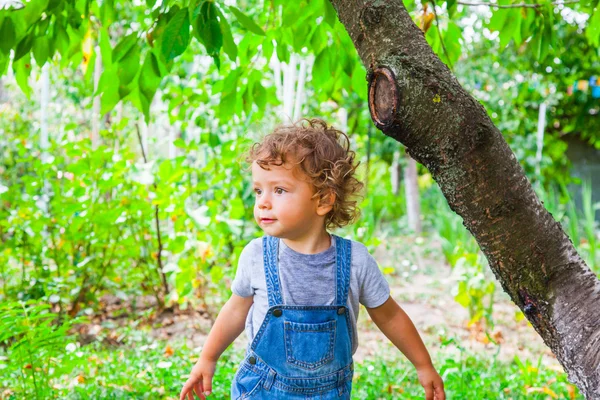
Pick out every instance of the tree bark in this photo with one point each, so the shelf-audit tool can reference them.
(415, 99)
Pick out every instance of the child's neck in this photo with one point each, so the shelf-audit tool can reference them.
(311, 244)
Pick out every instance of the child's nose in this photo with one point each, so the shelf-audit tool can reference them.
(264, 201)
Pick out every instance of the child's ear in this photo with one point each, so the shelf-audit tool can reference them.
(327, 204)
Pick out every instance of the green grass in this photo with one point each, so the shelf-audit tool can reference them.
(143, 368)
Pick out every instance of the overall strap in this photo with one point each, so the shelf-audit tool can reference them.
(270, 255)
(343, 262)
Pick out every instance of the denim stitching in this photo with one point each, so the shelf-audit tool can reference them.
(282, 386)
(261, 330)
(329, 327)
(270, 265)
(244, 370)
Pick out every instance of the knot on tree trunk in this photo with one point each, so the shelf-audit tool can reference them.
(371, 14)
(383, 97)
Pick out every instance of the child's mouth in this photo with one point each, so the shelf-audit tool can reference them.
(267, 220)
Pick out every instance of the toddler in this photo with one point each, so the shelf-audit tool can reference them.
(297, 289)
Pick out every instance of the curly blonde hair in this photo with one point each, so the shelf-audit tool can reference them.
(323, 154)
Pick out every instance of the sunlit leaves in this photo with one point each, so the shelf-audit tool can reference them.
(229, 96)
(41, 50)
(23, 47)
(208, 31)
(22, 69)
(330, 14)
(511, 28)
(536, 26)
(7, 33)
(149, 81)
(123, 47)
(450, 50)
(109, 89)
(176, 37)
(593, 29)
(246, 22)
(229, 46)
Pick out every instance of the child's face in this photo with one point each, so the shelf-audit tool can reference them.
(284, 207)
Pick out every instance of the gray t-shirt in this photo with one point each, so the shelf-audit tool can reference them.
(308, 279)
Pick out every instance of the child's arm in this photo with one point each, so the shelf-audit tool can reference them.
(398, 327)
(227, 327)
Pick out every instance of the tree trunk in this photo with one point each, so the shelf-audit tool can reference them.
(415, 99)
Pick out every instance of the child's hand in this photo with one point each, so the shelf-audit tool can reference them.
(200, 380)
(432, 383)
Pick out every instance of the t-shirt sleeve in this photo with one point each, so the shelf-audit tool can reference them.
(374, 288)
(242, 283)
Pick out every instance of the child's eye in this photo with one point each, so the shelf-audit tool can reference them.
(279, 190)
(257, 191)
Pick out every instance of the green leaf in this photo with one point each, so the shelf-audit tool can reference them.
(61, 40)
(451, 5)
(41, 50)
(23, 47)
(110, 98)
(128, 66)
(452, 37)
(41, 28)
(149, 81)
(208, 30)
(283, 53)
(108, 87)
(592, 32)
(123, 47)
(359, 80)
(321, 69)
(512, 27)
(22, 69)
(4, 59)
(237, 209)
(246, 22)
(176, 37)
(318, 39)
(247, 99)
(498, 18)
(527, 22)
(229, 96)
(330, 13)
(536, 40)
(267, 48)
(229, 46)
(259, 94)
(107, 13)
(299, 36)
(139, 101)
(105, 49)
(7, 33)
(127, 69)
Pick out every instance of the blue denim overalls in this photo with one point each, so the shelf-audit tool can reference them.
(300, 352)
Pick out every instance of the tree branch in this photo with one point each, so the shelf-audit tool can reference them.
(157, 223)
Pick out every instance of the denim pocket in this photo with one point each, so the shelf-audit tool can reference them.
(309, 346)
(245, 384)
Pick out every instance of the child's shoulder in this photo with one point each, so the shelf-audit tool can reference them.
(360, 252)
(254, 245)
